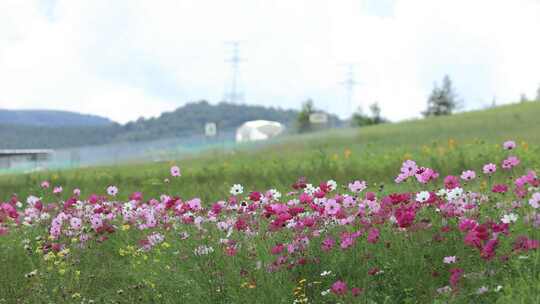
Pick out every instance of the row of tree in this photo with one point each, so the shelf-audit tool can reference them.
(443, 100)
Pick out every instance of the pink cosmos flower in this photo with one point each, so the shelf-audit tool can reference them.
(136, 196)
(401, 178)
(499, 188)
(96, 221)
(58, 190)
(373, 235)
(328, 244)
(175, 171)
(468, 175)
(523, 243)
(278, 249)
(405, 216)
(488, 251)
(510, 162)
(195, 204)
(425, 175)
(489, 169)
(255, 196)
(331, 207)
(357, 186)
(339, 288)
(409, 168)
(355, 291)
(75, 223)
(451, 182)
(509, 145)
(9, 210)
(535, 200)
(45, 184)
(455, 276)
(77, 192)
(349, 201)
(346, 241)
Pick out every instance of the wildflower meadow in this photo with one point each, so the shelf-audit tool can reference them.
(422, 217)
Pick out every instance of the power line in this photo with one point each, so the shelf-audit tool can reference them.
(234, 93)
(349, 83)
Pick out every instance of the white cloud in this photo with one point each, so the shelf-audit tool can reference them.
(125, 59)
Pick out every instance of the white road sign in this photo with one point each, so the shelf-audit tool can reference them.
(210, 129)
(318, 118)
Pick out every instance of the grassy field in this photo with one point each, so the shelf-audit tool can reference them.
(403, 266)
(372, 153)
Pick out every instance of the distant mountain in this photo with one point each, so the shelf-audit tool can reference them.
(191, 118)
(186, 121)
(50, 118)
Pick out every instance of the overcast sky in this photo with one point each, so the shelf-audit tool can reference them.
(127, 58)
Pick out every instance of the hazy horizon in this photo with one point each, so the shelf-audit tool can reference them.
(127, 59)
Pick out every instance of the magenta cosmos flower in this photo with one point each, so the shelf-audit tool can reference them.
(339, 288)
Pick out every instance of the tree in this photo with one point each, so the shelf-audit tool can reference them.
(376, 113)
(304, 125)
(360, 119)
(443, 100)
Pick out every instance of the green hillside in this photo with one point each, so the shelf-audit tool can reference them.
(371, 152)
(50, 118)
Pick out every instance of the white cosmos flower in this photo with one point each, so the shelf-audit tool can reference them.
(509, 218)
(112, 190)
(332, 185)
(442, 192)
(309, 189)
(449, 259)
(454, 194)
(276, 195)
(422, 197)
(31, 200)
(237, 189)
